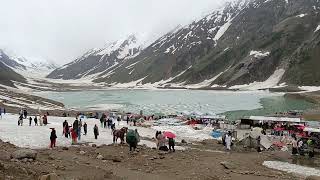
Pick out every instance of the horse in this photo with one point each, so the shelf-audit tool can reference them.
(119, 133)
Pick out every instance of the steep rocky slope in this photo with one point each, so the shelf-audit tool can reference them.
(245, 42)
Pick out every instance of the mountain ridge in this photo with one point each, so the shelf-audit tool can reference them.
(245, 42)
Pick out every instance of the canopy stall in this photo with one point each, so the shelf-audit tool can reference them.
(253, 120)
(312, 130)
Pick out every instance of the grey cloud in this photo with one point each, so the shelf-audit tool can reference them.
(63, 29)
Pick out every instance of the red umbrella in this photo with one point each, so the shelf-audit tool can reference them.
(169, 134)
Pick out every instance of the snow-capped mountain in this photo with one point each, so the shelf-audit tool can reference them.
(261, 43)
(37, 64)
(7, 75)
(15, 68)
(100, 62)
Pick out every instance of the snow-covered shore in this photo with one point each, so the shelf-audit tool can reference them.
(38, 136)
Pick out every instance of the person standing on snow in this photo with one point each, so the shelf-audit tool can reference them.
(96, 131)
(53, 138)
(75, 126)
(20, 121)
(228, 140)
(73, 136)
(35, 121)
(85, 128)
(41, 121)
(79, 130)
(25, 113)
(30, 120)
(118, 119)
(0, 113)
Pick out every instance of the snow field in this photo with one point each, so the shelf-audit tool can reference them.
(38, 136)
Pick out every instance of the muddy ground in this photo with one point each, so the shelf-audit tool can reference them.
(199, 161)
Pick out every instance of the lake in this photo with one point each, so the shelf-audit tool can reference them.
(176, 101)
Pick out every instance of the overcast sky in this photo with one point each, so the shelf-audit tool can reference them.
(61, 30)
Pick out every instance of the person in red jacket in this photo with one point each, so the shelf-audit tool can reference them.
(74, 136)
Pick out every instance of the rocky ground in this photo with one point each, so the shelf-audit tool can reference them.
(206, 160)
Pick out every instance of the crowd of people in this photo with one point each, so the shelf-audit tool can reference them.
(23, 115)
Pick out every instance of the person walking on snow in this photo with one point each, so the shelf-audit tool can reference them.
(30, 120)
(96, 131)
(0, 113)
(53, 138)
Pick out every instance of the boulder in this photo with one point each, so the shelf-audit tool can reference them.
(51, 176)
(227, 165)
(113, 158)
(183, 141)
(24, 153)
(82, 152)
(100, 157)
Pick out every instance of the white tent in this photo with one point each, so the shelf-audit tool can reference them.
(275, 119)
(309, 129)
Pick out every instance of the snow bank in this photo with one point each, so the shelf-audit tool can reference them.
(292, 168)
(309, 88)
(38, 136)
(186, 132)
(271, 82)
(259, 54)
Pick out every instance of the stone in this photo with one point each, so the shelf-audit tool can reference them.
(100, 157)
(51, 157)
(93, 145)
(24, 153)
(161, 157)
(24, 160)
(51, 176)
(183, 141)
(227, 165)
(313, 178)
(82, 152)
(65, 148)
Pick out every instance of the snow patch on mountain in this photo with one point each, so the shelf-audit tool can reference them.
(317, 29)
(222, 30)
(271, 82)
(301, 15)
(259, 54)
(131, 84)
